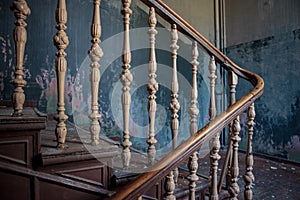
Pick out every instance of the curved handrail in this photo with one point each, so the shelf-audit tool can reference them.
(184, 150)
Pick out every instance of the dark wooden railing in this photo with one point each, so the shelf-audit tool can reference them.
(230, 117)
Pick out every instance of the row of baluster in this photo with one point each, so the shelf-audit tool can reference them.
(231, 167)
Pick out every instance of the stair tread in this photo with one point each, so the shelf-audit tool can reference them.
(56, 179)
(31, 119)
(78, 146)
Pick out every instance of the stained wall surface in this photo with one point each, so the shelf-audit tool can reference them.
(264, 37)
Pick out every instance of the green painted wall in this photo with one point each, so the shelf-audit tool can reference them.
(199, 13)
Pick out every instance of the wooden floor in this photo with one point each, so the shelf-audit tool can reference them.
(274, 178)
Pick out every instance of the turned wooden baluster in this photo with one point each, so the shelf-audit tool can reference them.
(126, 79)
(174, 106)
(61, 42)
(170, 186)
(234, 188)
(215, 142)
(95, 54)
(232, 82)
(152, 87)
(21, 12)
(193, 111)
(248, 176)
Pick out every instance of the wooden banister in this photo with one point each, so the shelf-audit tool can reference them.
(187, 148)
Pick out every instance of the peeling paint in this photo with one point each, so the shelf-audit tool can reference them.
(276, 59)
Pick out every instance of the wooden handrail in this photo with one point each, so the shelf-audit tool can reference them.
(137, 187)
(183, 151)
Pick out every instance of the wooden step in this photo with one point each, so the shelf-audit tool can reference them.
(79, 161)
(20, 136)
(23, 183)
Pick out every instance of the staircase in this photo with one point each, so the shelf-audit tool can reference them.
(45, 159)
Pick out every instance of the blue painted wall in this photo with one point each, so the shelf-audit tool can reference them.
(264, 37)
(41, 77)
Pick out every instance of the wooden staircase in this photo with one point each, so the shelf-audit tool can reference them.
(33, 168)
(45, 159)
(31, 163)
